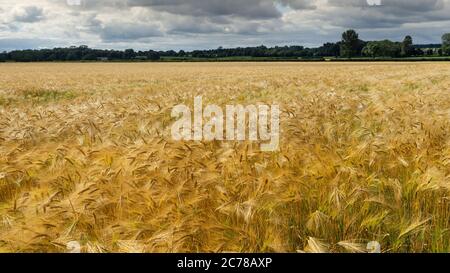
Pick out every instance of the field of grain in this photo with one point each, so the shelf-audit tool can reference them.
(86, 155)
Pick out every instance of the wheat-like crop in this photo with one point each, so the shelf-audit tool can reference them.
(86, 155)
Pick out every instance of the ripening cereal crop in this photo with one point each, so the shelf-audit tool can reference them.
(86, 155)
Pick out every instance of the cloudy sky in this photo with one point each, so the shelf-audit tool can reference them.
(201, 24)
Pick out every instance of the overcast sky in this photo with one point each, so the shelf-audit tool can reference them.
(202, 24)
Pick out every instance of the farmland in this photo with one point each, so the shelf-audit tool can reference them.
(86, 155)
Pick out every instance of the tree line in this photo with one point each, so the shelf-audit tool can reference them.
(350, 46)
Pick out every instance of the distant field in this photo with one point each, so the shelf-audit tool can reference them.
(305, 59)
(86, 155)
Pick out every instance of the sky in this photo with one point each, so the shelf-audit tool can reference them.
(206, 24)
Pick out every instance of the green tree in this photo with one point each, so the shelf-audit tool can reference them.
(72, 56)
(446, 44)
(129, 54)
(350, 43)
(407, 47)
(52, 57)
(383, 48)
(90, 57)
(371, 50)
(3, 56)
(328, 50)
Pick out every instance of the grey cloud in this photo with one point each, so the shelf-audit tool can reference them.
(29, 14)
(258, 9)
(348, 3)
(251, 9)
(195, 25)
(204, 25)
(126, 31)
(299, 4)
(184, 17)
(391, 13)
(393, 5)
(191, 23)
(414, 5)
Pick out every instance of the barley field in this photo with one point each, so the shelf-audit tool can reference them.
(86, 155)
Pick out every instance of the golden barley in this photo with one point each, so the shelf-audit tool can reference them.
(87, 158)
